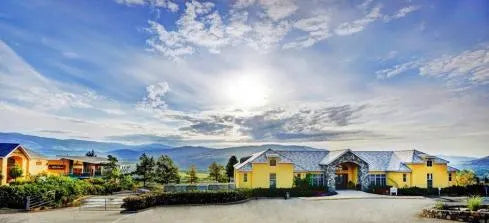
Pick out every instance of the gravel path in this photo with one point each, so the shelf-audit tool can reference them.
(273, 210)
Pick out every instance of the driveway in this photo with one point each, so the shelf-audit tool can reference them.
(267, 210)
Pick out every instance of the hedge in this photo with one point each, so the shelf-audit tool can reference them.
(65, 189)
(450, 191)
(134, 203)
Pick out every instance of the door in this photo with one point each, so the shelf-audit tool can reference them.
(273, 180)
(341, 180)
(429, 180)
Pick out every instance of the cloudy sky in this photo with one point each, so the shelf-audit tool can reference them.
(333, 74)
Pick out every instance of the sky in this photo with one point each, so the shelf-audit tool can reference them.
(332, 74)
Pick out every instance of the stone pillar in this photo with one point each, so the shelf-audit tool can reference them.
(330, 174)
(363, 177)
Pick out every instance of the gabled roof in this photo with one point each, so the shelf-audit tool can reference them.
(302, 160)
(87, 159)
(7, 148)
(332, 155)
(452, 169)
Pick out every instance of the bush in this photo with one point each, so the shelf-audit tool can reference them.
(134, 203)
(377, 189)
(470, 190)
(474, 203)
(440, 205)
(65, 189)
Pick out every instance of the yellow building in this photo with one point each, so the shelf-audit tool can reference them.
(32, 163)
(343, 169)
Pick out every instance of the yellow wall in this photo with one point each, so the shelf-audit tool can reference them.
(261, 175)
(23, 163)
(419, 171)
(396, 179)
(37, 166)
(239, 179)
(352, 172)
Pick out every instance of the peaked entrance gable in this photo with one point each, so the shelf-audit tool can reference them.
(330, 165)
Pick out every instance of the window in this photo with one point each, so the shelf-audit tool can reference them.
(377, 179)
(317, 180)
(38, 163)
(273, 162)
(404, 177)
(273, 180)
(245, 177)
(449, 176)
(429, 180)
(298, 175)
(429, 163)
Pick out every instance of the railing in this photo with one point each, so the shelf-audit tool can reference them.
(199, 187)
(85, 174)
(105, 203)
(38, 201)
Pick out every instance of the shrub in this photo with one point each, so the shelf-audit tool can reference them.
(440, 205)
(154, 199)
(474, 203)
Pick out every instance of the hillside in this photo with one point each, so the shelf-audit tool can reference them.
(480, 166)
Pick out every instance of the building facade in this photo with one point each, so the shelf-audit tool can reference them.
(344, 169)
(32, 163)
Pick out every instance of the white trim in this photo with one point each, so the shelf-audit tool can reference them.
(22, 149)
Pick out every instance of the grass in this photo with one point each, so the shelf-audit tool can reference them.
(474, 203)
(202, 177)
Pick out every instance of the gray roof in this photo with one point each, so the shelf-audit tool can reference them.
(7, 148)
(452, 169)
(305, 160)
(87, 159)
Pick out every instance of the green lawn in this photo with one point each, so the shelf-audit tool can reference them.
(203, 177)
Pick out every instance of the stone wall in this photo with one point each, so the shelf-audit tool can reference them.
(463, 216)
(330, 170)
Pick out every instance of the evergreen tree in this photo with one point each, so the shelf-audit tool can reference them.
(91, 153)
(112, 171)
(166, 171)
(145, 168)
(192, 175)
(215, 171)
(230, 167)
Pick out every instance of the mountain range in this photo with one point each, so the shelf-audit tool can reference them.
(184, 156)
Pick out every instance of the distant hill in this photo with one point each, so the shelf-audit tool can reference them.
(456, 160)
(184, 156)
(480, 166)
(53, 147)
(201, 157)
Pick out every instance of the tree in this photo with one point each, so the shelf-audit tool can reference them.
(465, 178)
(192, 175)
(166, 171)
(215, 171)
(16, 172)
(112, 172)
(145, 168)
(91, 153)
(230, 167)
(243, 159)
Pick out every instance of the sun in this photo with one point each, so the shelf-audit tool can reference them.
(246, 91)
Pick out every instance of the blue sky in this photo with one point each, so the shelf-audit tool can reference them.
(364, 74)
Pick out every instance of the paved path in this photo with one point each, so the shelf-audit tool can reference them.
(355, 194)
(267, 210)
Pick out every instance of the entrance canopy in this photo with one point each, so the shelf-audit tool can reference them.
(343, 158)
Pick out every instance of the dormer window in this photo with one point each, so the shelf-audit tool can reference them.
(429, 163)
(273, 162)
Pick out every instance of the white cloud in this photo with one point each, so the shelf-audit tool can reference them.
(169, 4)
(317, 29)
(402, 12)
(397, 69)
(469, 67)
(358, 25)
(154, 100)
(278, 9)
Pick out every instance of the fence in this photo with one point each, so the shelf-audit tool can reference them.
(39, 201)
(198, 187)
(105, 203)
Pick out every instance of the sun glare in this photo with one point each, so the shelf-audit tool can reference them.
(246, 92)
